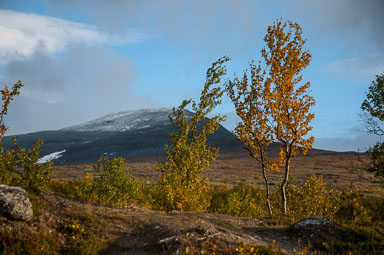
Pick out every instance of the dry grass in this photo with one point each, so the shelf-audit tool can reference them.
(339, 170)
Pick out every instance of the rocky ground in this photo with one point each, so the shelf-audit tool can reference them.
(135, 230)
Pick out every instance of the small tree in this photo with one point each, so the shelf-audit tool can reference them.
(275, 108)
(288, 102)
(373, 114)
(34, 176)
(376, 164)
(182, 188)
(7, 96)
(254, 130)
(373, 106)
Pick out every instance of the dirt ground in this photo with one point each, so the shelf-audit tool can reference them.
(135, 230)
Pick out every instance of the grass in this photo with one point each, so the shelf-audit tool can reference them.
(361, 215)
(338, 169)
(362, 240)
(49, 232)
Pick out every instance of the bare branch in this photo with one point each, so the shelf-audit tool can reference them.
(372, 125)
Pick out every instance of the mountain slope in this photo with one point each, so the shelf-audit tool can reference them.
(128, 134)
(128, 120)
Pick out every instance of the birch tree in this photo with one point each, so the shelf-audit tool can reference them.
(273, 105)
(254, 130)
(288, 100)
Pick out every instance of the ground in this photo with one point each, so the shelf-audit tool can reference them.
(338, 170)
(135, 230)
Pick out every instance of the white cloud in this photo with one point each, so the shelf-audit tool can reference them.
(22, 34)
(365, 66)
(360, 143)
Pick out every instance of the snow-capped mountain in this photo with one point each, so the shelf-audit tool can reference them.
(129, 134)
(127, 120)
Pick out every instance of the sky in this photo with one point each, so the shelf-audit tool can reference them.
(80, 60)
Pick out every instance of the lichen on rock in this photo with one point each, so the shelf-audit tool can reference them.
(14, 203)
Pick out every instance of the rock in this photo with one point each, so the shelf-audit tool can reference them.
(318, 229)
(14, 203)
(313, 222)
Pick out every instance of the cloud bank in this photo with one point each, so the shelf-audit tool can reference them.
(69, 70)
(23, 34)
(79, 85)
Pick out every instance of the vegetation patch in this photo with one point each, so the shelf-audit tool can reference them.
(49, 232)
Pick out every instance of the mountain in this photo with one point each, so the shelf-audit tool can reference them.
(128, 121)
(129, 134)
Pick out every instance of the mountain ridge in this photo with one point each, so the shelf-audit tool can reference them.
(126, 120)
(129, 134)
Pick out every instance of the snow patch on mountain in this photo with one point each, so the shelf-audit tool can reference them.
(51, 156)
(127, 120)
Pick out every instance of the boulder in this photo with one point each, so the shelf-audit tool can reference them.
(14, 203)
(313, 222)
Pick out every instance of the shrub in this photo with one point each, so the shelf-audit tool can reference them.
(113, 187)
(172, 192)
(352, 209)
(48, 235)
(242, 200)
(189, 155)
(375, 206)
(376, 164)
(19, 166)
(312, 198)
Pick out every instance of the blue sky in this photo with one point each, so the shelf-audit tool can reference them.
(80, 60)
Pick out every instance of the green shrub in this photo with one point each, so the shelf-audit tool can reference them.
(361, 240)
(375, 206)
(352, 209)
(172, 192)
(114, 186)
(312, 198)
(242, 200)
(218, 196)
(19, 167)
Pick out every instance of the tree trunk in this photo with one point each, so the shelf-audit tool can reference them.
(267, 189)
(283, 187)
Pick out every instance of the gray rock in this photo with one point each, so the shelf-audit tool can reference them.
(14, 203)
(313, 221)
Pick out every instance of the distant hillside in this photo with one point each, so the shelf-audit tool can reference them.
(128, 134)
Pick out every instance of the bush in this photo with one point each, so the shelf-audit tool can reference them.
(352, 209)
(242, 200)
(19, 166)
(172, 192)
(375, 207)
(113, 187)
(312, 198)
(47, 234)
(376, 164)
